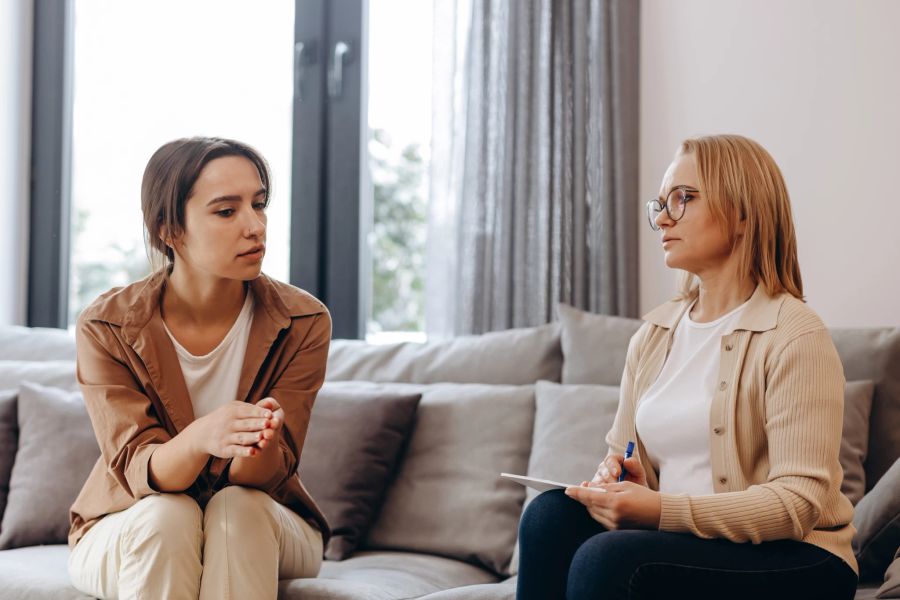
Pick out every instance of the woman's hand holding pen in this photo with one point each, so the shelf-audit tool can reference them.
(629, 504)
(609, 470)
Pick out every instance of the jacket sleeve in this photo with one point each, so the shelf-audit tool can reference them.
(804, 413)
(124, 420)
(296, 390)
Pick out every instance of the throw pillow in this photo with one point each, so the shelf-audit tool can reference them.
(57, 450)
(569, 440)
(9, 440)
(877, 522)
(594, 346)
(512, 357)
(351, 448)
(448, 498)
(855, 439)
(891, 586)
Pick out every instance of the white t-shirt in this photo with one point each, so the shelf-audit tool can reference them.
(672, 418)
(212, 380)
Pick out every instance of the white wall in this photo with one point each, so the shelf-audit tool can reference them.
(15, 155)
(817, 82)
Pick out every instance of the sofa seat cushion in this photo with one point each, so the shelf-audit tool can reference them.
(37, 573)
(505, 590)
(384, 576)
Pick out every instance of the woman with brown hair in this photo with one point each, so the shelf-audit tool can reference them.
(733, 395)
(199, 381)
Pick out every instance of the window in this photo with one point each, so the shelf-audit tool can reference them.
(204, 67)
(399, 116)
(334, 93)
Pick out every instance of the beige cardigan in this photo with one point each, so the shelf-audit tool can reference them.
(774, 430)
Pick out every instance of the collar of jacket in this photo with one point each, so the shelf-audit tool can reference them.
(135, 309)
(134, 306)
(761, 313)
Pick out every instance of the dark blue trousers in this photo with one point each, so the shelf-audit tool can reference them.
(564, 553)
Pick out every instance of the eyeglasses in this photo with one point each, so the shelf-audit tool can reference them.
(674, 206)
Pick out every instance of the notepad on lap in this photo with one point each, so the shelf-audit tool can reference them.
(541, 485)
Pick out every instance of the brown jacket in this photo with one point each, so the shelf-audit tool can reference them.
(774, 430)
(137, 399)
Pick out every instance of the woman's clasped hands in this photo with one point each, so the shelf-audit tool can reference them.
(239, 429)
(629, 504)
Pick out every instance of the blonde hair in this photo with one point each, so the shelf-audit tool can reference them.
(741, 182)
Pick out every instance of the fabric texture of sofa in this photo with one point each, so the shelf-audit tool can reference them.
(433, 425)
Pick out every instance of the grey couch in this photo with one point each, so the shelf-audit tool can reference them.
(523, 401)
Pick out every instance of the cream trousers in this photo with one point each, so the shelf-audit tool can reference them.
(165, 547)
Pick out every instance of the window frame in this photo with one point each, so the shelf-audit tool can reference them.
(327, 204)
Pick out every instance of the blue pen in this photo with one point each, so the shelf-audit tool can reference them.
(628, 452)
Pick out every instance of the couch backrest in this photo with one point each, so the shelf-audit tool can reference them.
(512, 357)
(874, 354)
(36, 343)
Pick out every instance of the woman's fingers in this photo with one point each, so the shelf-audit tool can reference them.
(242, 451)
(245, 438)
(249, 424)
(601, 516)
(246, 410)
(613, 464)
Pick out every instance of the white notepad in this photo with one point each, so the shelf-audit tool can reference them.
(541, 485)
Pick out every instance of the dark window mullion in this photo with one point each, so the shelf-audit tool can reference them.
(345, 145)
(51, 136)
(307, 258)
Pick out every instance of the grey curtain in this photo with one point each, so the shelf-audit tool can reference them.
(533, 195)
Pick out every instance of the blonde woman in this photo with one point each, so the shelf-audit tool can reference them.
(199, 381)
(733, 395)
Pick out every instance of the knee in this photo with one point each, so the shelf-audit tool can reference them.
(236, 505)
(544, 514)
(165, 519)
(605, 562)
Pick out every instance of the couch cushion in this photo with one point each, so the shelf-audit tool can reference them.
(504, 590)
(36, 343)
(384, 576)
(448, 498)
(877, 522)
(570, 426)
(57, 373)
(874, 355)
(54, 373)
(594, 346)
(9, 442)
(891, 586)
(855, 437)
(37, 573)
(350, 452)
(512, 357)
(56, 451)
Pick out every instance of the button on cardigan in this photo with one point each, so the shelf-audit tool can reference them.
(775, 428)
